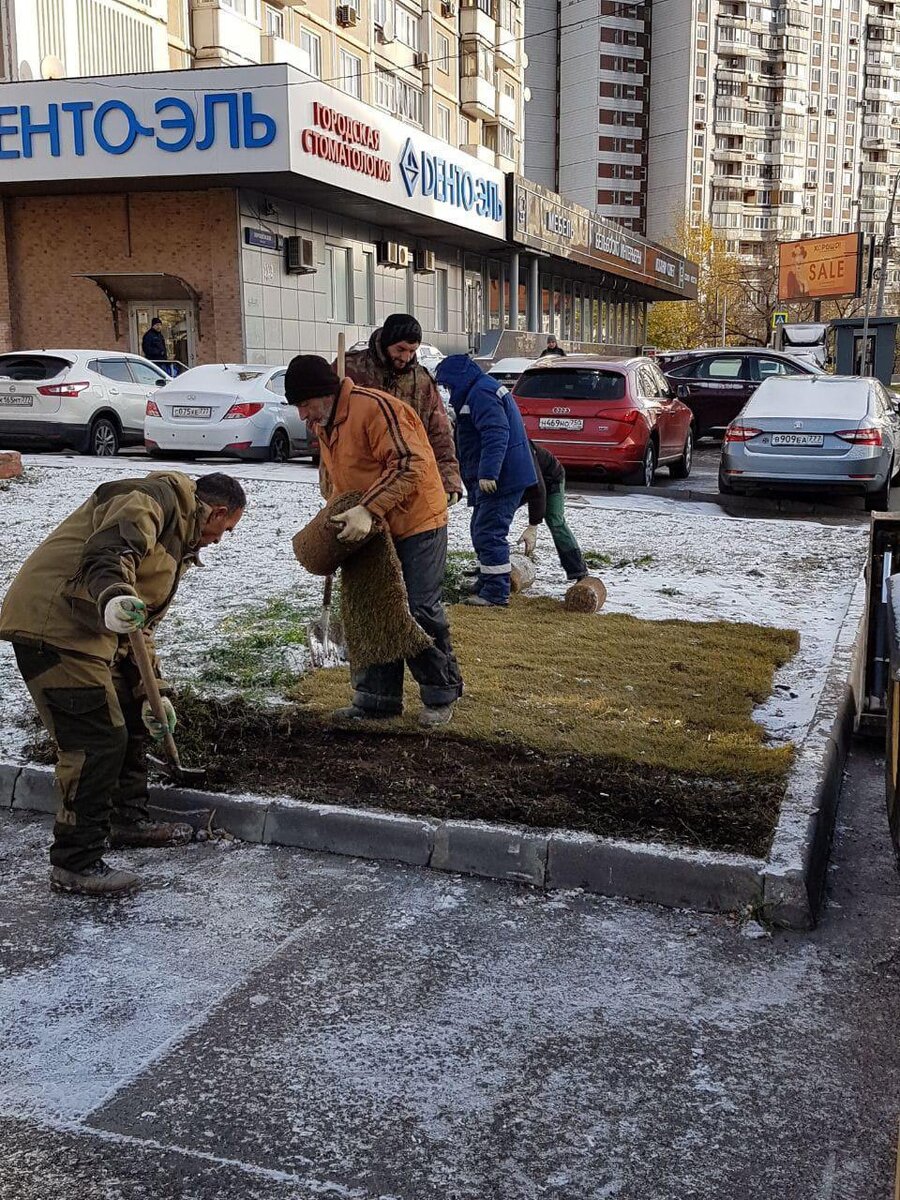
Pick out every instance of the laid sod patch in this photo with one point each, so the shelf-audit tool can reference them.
(609, 724)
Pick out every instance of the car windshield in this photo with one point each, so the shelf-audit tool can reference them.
(579, 384)
(31, 367)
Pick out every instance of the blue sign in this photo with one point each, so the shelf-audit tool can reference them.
(262, 238)
(448, 183)
(114, 127)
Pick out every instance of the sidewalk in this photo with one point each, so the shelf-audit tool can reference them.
(268, 1024)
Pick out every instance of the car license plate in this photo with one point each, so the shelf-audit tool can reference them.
(17, 401)
(187, 410)
(560, 423)
(797, 439)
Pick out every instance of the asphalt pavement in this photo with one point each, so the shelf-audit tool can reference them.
(267, 1024)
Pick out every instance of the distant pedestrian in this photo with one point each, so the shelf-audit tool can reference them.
(389, 363)
(553, 347)
(546, 501)
(153, 344)
(496, 467)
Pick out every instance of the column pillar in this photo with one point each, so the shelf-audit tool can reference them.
(514, 290)
(534, 295)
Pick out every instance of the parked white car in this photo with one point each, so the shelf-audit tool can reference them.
(88, 400)
(236, 409)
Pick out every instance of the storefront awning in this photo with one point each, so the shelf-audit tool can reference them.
(153, 285)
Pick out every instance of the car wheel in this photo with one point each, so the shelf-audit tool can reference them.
(643, 476)
(104, 439)
(880, 501)
(279, 447)
(681, 468)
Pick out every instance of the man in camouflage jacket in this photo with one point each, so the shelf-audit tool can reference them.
(110, 569)
(389, 364)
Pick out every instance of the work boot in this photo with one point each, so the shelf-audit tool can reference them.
(480, 602)
(354, 713)
(433, 715)
(150, 833)
(99, 879)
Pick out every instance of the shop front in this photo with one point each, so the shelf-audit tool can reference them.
(259, 212)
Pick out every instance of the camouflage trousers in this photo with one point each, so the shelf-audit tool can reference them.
(88, 708)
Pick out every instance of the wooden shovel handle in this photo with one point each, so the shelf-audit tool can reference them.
(326, 595)
(141, 653)
(341, 355)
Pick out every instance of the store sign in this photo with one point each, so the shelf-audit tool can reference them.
(239, 122)
(545, 221)
(340, 138)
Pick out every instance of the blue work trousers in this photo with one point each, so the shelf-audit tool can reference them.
(491, 519)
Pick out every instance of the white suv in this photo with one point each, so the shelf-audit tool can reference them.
(88, 400)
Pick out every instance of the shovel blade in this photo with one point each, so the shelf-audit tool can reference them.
(190, 777)
(325, 638)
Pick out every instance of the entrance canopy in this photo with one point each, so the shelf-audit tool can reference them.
(154, 285)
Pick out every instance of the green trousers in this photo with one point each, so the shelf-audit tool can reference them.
(564, 540)
(88, 708)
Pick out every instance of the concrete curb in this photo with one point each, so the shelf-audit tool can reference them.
(751, 505)
(786, 887)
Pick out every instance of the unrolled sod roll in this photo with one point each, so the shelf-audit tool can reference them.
(522, 574)
(588, 595)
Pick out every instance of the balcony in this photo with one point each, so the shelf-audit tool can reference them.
(729, 156)
(482, 153)
(506, 48)
(277, 50)
(478, 98)
(475, 22)
(507, 108)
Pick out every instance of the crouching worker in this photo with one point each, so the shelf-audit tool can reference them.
(111, 568)
(547, 502)
(496, 467)
(375, 444)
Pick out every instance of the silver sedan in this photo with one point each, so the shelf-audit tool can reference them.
(820, 431)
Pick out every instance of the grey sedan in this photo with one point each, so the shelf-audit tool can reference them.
(819, 431)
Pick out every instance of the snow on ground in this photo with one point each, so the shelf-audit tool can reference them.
(704, 565)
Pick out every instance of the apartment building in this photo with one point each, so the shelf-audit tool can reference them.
(453, 71)
(775, 120)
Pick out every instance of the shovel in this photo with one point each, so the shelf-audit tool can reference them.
(188, 776)
(325, 637)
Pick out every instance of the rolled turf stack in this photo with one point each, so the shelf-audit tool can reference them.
(588, 595)
(316, 546)
(522, 575)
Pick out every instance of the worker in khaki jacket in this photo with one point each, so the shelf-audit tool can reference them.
(389, 363)
(375, 444)
(111, 568)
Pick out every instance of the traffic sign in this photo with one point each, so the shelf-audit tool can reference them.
(779, 318)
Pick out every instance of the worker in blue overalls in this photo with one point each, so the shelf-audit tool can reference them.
(496, 465)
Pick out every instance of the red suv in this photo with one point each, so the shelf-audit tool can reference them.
(618, 416)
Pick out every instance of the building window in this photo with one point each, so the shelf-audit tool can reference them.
(477, 62)
(441, 298)
(406, 27)
(385, 92)
(443, 53)
(247, 8)
(340, 270)
(311, 53)
(350, 74)
(369, 283)
(443, 122)
(408, 102)
(380, 13)
(274, 22)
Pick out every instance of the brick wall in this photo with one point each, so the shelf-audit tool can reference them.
(49, 239)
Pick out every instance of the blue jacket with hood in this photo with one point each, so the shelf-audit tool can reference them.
(490, 436)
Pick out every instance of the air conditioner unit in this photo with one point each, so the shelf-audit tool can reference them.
(347, 15)
(420, 59)
(448, 8)
(423, 262)
(392, 254)
(299, 256)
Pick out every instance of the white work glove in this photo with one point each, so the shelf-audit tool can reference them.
(488, 486)
(453, 498)
(125, 614)
(153, 727)
(356, 522)
(528, 539)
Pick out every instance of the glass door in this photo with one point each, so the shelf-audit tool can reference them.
(178, 331)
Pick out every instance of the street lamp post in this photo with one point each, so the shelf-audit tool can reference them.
(886, 248)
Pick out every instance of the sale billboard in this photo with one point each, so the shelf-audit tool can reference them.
(823, 268)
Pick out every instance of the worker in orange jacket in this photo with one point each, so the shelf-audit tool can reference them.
(373, 443)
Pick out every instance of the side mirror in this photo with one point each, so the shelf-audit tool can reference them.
(161, 382)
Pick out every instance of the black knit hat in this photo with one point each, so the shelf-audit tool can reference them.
(309, 376)
(400, 327)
